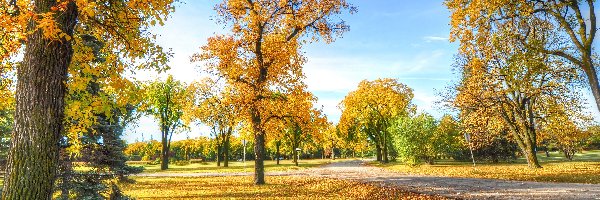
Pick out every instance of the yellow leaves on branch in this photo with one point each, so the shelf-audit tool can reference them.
(261, 58)
(110, 39)
(378, 100)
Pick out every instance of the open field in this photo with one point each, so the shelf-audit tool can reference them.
(277, 187)
(585, 168)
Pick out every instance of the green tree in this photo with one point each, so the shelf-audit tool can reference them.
(166, 101)
(372, 108)
(418, 139)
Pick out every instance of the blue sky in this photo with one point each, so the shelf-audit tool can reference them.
(402, 39)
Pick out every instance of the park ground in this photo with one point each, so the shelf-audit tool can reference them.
(357, 179)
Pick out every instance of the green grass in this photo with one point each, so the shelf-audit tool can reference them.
(585, 168)
(235, 166)
(277, 187)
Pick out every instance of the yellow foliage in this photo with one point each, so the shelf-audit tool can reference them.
(279, 187)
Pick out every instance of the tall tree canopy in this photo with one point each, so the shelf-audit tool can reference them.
(371, 109)
(55, 36)
(569, 24)
(261, 56)
(506, 86)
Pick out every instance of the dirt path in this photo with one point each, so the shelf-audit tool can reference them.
(468, 188)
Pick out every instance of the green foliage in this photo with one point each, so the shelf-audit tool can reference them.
(165, 101)
(414, 138)
(422, 138)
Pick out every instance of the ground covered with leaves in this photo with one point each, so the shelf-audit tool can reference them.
(277, 187)
(584, 169)
(236, 166)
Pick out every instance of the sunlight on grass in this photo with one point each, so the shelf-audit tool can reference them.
(585, 168)
(248, 166)
(277, 187)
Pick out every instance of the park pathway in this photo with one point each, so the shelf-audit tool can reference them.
(462, 188)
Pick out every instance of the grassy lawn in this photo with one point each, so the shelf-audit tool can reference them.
(248, 166)
(277, 187)
(585, 168)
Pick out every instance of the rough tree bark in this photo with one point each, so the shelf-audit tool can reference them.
(164, 164)
(277, 154)
(226, 149)
(34, 153)
(259, 148)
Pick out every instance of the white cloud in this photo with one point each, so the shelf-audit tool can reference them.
(435, 39)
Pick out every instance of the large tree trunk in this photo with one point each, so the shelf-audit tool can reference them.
(592, 76)
(295, 155)
(226, 152)
(218, 155)
(531, 156)
(164, 164)
(277, 154)
(378, 151)
(259, 148)
(34, 153)
(332, 153)
(259, 153)
(385, 151)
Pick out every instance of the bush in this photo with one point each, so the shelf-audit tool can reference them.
(499, 150)
(181, 162)
(155, 162)
(137, 162)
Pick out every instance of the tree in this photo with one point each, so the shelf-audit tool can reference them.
(422, 138)
(166, 102)
(505, 81)
(570, 23)
(301, 129)
(217, 110)
(566, 134)
(261, 56)
(372, 108)
(330, 140)
(450, 136)
(48, 31)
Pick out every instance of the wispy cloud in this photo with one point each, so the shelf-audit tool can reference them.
(429, 39)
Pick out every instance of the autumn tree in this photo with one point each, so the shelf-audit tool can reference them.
(216, 109)
(350, 139)
(450, 133)
(48, 31)
(300, 130)
(566, 134)
(166, 101)
(329, 139)
(570, 23)
(516, 86)
(371, 109)
(261, 56)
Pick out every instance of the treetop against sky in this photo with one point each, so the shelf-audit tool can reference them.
(404, 39)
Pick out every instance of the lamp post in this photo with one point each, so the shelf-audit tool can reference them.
(298, 154)
(468, 139)
(244, 157)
